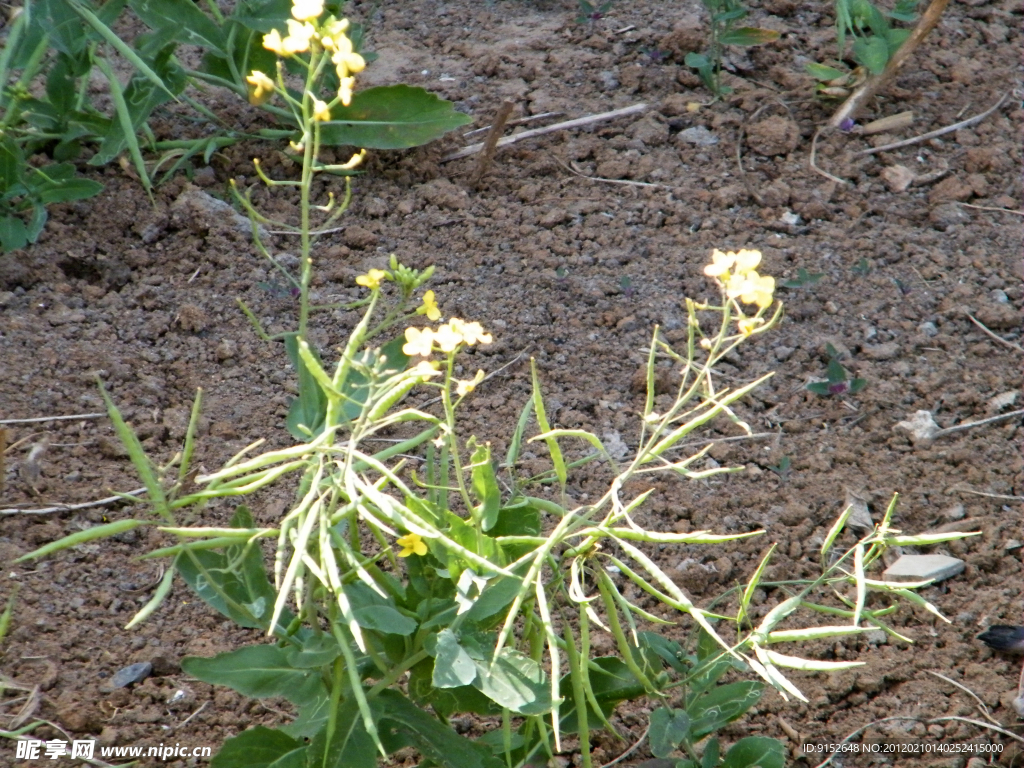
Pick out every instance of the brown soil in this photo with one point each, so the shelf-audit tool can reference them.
(144, 298)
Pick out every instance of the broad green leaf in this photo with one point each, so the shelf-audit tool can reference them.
(259, 671)
(669, 651)
(747, 36)
(514, 681)
(485, 484)
(402, 724)
(446, 701)
(491, 603)
(894, 38)
(712, 751)
(872, 52)
(260, 747)
(306, 412)
(391, 117)
(759, 751)
(822, 73)
(316, 651)
(722, 705)
(667, 730)
(384, 618)
(263, 15)
(612, 683)
(183, 19)
(72, 189)
(452, 665)
(13, 233)
(350, 745)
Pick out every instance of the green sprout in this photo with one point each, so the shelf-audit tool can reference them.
(724, 15)
(838, 381)
(803, 279)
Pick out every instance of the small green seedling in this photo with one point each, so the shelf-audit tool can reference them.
(803, 279)
(862, 268)
(590, 13)
(628, 289)
(783, 468)
(724, 16)
(838, 381)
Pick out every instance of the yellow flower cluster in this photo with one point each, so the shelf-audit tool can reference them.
(738, 273)
(421, 341)
(304, 32)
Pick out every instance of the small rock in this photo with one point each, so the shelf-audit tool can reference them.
(928, 328)
(999, 296)
(773, 136)
(698, 135)
(609, 81)
(921, 426)
(947, 215)
(924, 568)
(886, 351)
(553, 218)
(444, 194)
(954, 513)
(897, 177)
(949, 189)
(360, 238)
(860, 518)
(783, 353)
(876, 637)
(998, 317)
(227, 349)
(191, 318)
(133, 673)
(110, 448)
(1012, 545)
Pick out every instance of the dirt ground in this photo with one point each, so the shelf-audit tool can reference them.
(575, 273)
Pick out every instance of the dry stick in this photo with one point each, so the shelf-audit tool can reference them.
(981, 705)
(71, 507)
(1001, 340)
(867, 90)
(472, 149)
(991, 208)
(625, 182)
(73, 417)
(512, 123)
(491, 142)
(969, 424)
(1000, 496)
(814, 166)
(939, 132)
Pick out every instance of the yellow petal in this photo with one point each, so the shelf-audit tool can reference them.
(304, 10)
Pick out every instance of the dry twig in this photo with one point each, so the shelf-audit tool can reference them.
(978, 323)
(814, 165)
(491, 142)
(867, 90)
(939, 132)
(981, 705)
(71, 507)
(472, 149)
(74, 417)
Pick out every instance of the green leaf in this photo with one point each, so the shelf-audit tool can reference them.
(894, 38)
(759, 751)
(350, 745)
(392, 117)
(234, 581)
(384, 618)
(485, 484)
(13, 233)
(612, 683)
(747, 36)
(263, 15)
(72, 189)
(835, 373)
(856, 385)
(491, 603)
(316, 651)
(306, 412)
(819, 388)
(259, 747)
(183, 20)
(669, 651)
(445, 701)
(872, 52)
(514, 681)
(452, 665)
(722, 705)
(668, 729)
(696, 60)
(712, 751)
(258, 671)
(822, 73)
(403, 724)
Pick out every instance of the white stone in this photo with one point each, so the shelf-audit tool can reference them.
(924, 568)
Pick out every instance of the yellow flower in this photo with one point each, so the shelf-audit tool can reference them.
(346, 88)
(354, 161)
(751, 288)
(418, 341)
(747, 325)
(720, 264)
(471, 333)
(322, 114)
(372, 278)
(304, 10)
(411, 544)
(429, 307)
(334, 28)
(463, 388)
(705, 343)
(747, 261)
(262, 88)
(272, 42)
(447, 337)
(425, 368)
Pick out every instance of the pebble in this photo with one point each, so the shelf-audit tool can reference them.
(999, 296)
(133, 673)
(783, 353)
(947, 215)
(924, 568)
(698, 135)
(928, 328)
